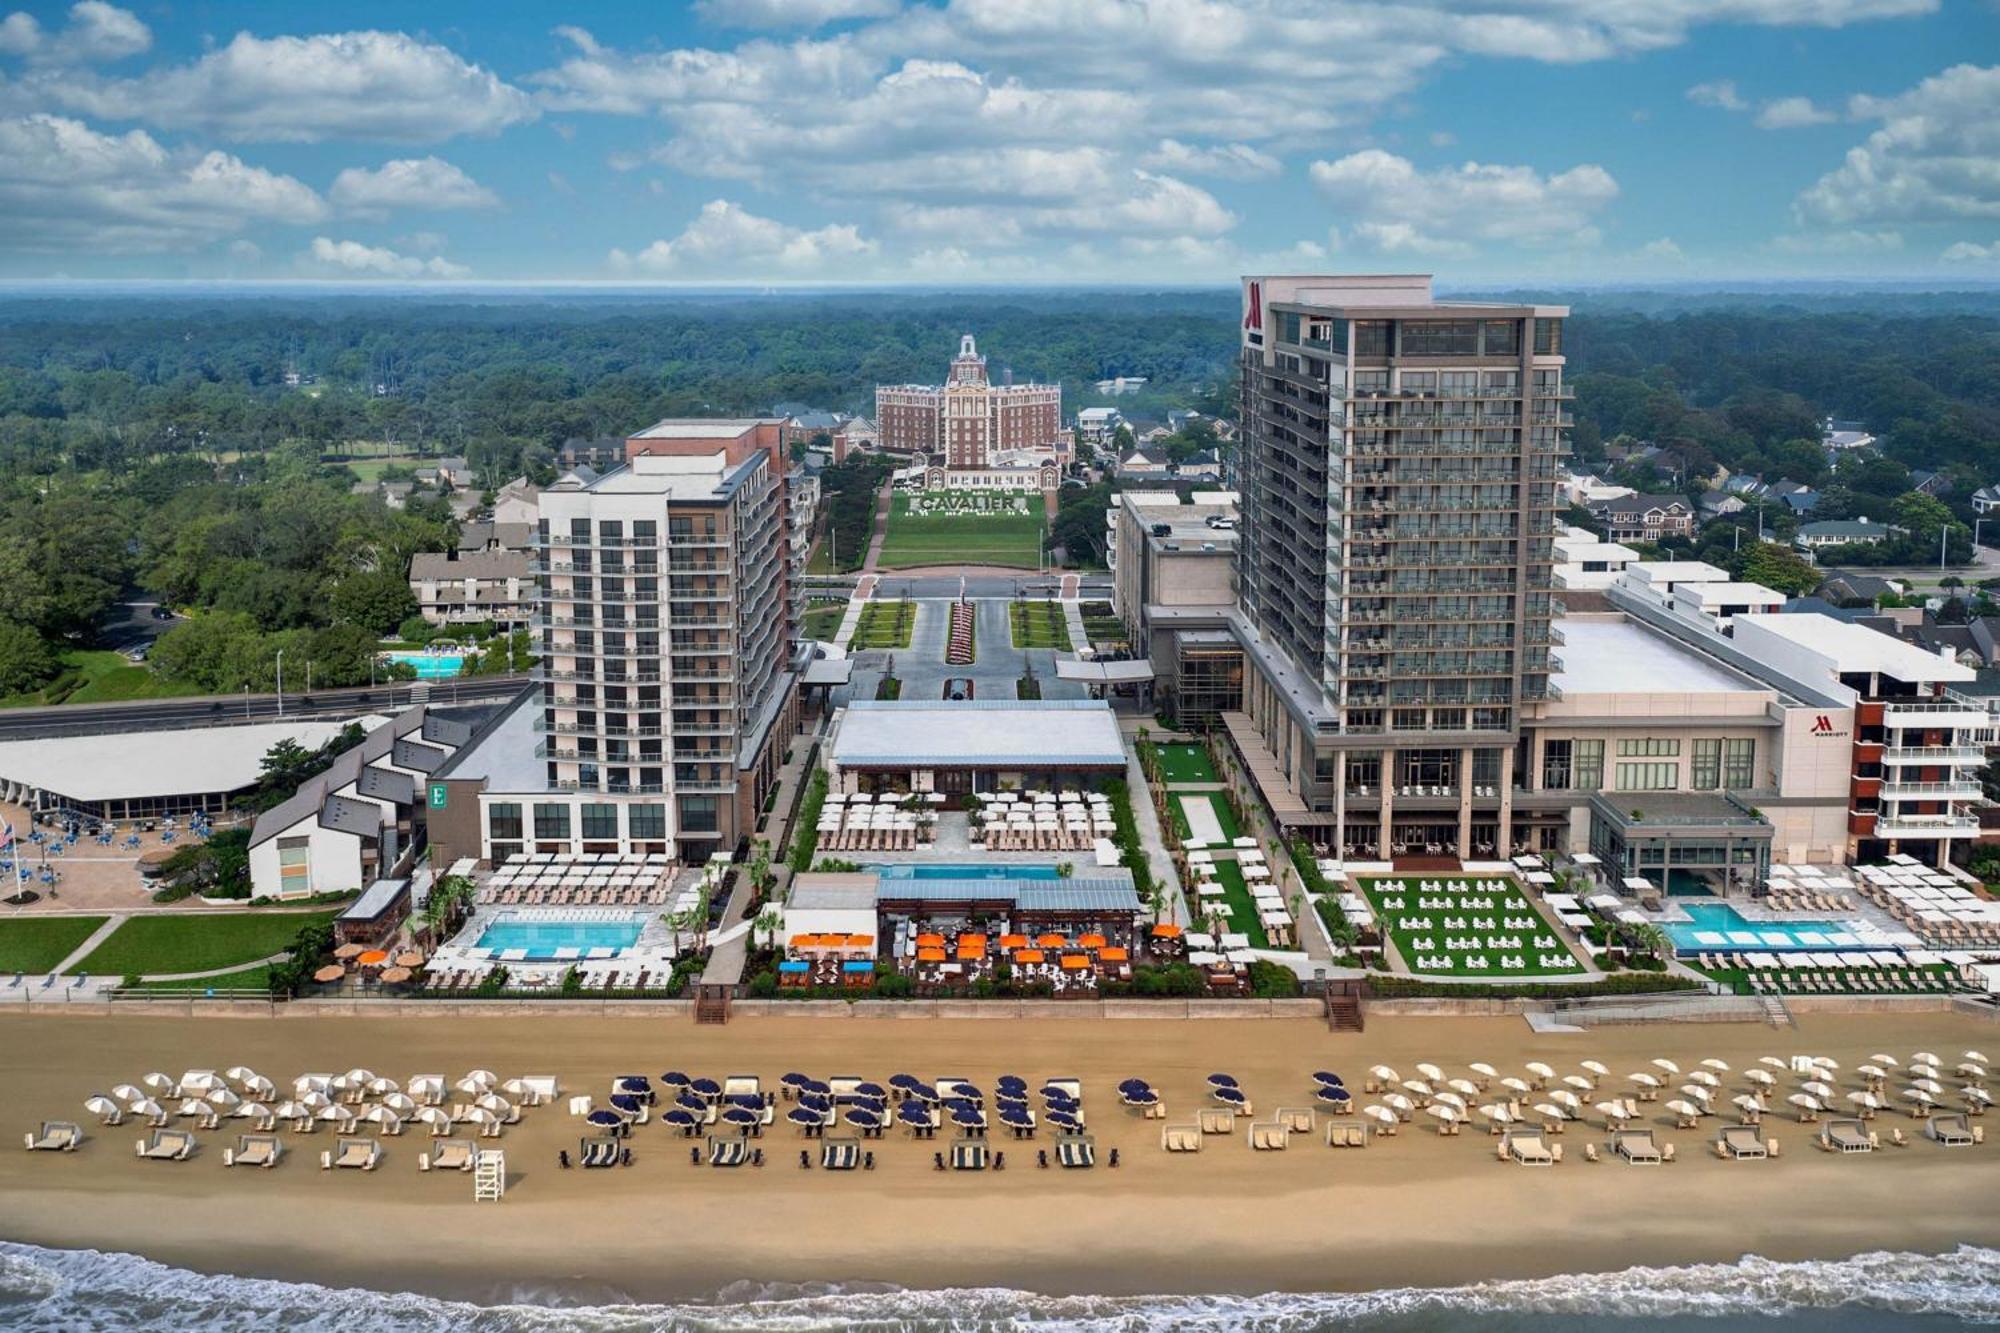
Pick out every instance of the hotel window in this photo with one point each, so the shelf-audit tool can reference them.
(1440, 337)
(1648, 747)
(1371, 337)
(1739, 764)
(1548, 337)
(1705, 771)
(552, 821)
(1647, 777)
(1501, 337)
(600, 821)
(647, 821)
(503, 821)
(1586, 767)
(700, 814)
(294, 866)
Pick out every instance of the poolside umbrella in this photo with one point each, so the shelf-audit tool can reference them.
(1224, 1081)
(1327, 1078)
(1381, 1113)
(676, 1117)
(1232, 1096)
(1667, 1065)
(805, 1119)
(1760, 1077)
(158, 1084)
(875, 1090)
(1336, 1096)
(911, 1113)
(1719, 1066)
(863, 1118)
(674, 1078)
(1805, 1102)
(740, 1116)
(1540, 1070)
(604, 1119)
(1431, 1072)
(705, 1087)
(1868, 1101)
(1484, 1070)
(1385, 1074)
(103, 1107)
(1593, 1068)
(1513, 1084)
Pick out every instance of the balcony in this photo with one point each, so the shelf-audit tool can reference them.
(1926, 826)
(1963, 789)
(1934, 754)
(1935, 714)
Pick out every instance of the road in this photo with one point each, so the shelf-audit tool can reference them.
(208, 711)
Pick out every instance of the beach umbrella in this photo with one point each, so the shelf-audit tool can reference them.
(104, 1108)
(1232, 1096)
(1563, 1097)
(1334, 1095)
(222, 1098)
(252, 1111)
(798, 1115)
(1540, 1070)
(690, 1104)
(1826, 1062)
(1451, 1099)
(1667, 1065)
(503, 1108)
(1385, 1073)
(1970, 1069)
(1497, 1113)
(1465, 1087)
(1417, 1086)
(1132, 1086)
(965, 1113)
(1513, 1084)
(705, 1087)
(128, 1093)
(1774, 1061)
(1550, 1112)
(426, 1086)
(738, 1115)
(1749, 1104)
(1612, 1112)
(148, 1109)
(482, 1076)
(292, 1109)
(910, 1113)
(1873, 1073)
(1924, 1058)
(1593, 1068)
(863, 1118)
(1698, 1092)
(1221, 1081)
(1397, 1102)
(471, 1086)
(1579, 1082)
(1805, 1102)
(382, 1087)
(1917, 1095)
(674, 1078)
(604, 1119)
(871, 1090)
(1866, 1100)
(1924, 1071)
(1704, 1078)
(676, 1117)
(390, 1122)
(1686, 1110)
(1327, 1078)
(824, 1105)
(1011, 1084)
(1051, 1091)
(315, 1101)
(1930, 1085)
(1978, 1096)
(1381, 1113)
(438, 1121)
(1643, 1080)
(634, 1083)
(158, 1084)
(1431, 1072)
(1760, 1077)
(1719, 1066)
(259, 1086)
(359, 1078)
(1484, 1070)
(239, 1074)
(401, 1104)
(1880, 1059)
(1445, 1115)
(1063, 1119)
(335, 1114)
(1823, 1091)
(1018, 1118)
(754, 1102)
(794, 1080)
(1977, 1057)
(923, 1092)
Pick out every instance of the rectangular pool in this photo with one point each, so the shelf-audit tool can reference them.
(979, 870)
(541, 938)
(430, 666)
(1714, 926)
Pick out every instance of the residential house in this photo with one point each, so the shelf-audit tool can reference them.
(1844, 589)
(1719, 504)
(599, 454)
(1644, 518)
(517, 502)
(445, 473)
(1096, 425)
(854, 433)
(493, 535)
(468, 587)
(1924, 481)
(1587, 489)
(1986, 499)
(1842, 436)
(1844, 532)
(1143, 463)
(1203, 465)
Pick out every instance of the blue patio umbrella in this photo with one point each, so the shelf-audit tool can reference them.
(705, 1087)
(1051, 1090)
(1326, 1078)
(912, 1114)
(1233, 1096)
(863, 1118)
(634, 1083)
(739, 1115)
(1058, 1099)
(1012, 1084)
(694, 1104)
(924, 1092)
(749, 1099)
(817, 1087)
(1337, 1096)
(674, 1078)
(680, 1118)
(812, 1103)
(625, 1102)
(1004, 1102)
(953, 1105)
(794, 1080)
(967, 1115)
(1134, 1085)
(1063, 1120)
(1143, 1097)
(604, 1119)
(799, 1115)
(1011, 1116)
(1221, 1080)
(968, 1093)
(871, 1090)
(905, 1081)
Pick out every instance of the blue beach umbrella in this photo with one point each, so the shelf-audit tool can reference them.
(1144, 1097)
(1337, 1096)
(738, 1115)
(635, 1083)
(1062, 1119)
(680, 1118)
(1051, 1090)
(967, 1115)
(906, 1082)
(1233, 1096)
(674, 1078)
(794, 1080)
(821, 1104)
(863, 1119)
(871, 1090)
(1327, 1079)
(924, 1092)
(705, 1087)
(912, 1114)
(749, 1099)
(816, 1087)
(799, 1115)
(604, 1119)
(694, 1104)
(1011, 1116)
(1012, 1084)
(1134, 1085)
(625, 1102)
(1221, 1080)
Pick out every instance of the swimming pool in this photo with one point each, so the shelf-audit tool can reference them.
(982, 870)
(430, 666)
(541, 938)
(1718, 926)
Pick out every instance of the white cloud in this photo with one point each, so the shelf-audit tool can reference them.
(1722, 93)
(95, 32)
(362, 85)
(1231, 161)
(724, 240)
(1663, 249)
(64, 185)
(1792, 113)
(423, 242)
(245, 251)
(1399, 208)
(354, 258)
(1936, 156)
(414, 183)
(1152, 205)
(791, 13)
(1969, 252)
(1852, 242)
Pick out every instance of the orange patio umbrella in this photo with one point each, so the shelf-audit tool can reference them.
(1074, 962)
(331, 972)
(972, 946)
(373, 958)
(1092, 941)
(860, 941)
(970, 938)
(1052, 941)
(930, 941)
(1167, 930)
(1013, 941)
(930, 955)
(1113, 954)
(1030, 956)
(395, 975)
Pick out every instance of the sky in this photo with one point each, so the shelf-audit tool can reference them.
(982, 141)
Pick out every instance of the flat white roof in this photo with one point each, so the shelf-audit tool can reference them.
(1756, 594)
(998, 734)
(1620, 657)
(674, 476)
(140, 764)
(681, 428)
(1855, 648)
(1677, 571)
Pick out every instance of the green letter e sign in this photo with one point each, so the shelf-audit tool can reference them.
(437, 796)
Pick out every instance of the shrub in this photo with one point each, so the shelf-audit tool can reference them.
(1273, 981)
(1625, 983)
(807, 837)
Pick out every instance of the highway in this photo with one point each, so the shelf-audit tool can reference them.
(225, 710)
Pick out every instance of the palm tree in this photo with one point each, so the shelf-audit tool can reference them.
(768, 923)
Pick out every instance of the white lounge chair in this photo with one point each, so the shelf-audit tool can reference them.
(55, 1136)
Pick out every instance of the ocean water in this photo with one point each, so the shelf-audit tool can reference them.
(59, 1291)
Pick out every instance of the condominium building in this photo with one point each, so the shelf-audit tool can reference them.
(1398, 471)
(965, 422)
(473, 587)
(668, 613)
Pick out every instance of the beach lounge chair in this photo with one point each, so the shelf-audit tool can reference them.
(1949, 1131)
(167, 1145)
(1300, 1120)
(840, 1154)
(594, 1153)
(1216, 1120)
(969, 1155)
(1341, 1135)
(1637, 1147)
(352, 1154)
(1184, 1138)
(1739, 1143)
(254, 1150)
(1845, 1136)
(1271, 1136)
(1076, 1151)
(55, 1136)
(449, 1155)
(728, 1152)
(1526, 1147)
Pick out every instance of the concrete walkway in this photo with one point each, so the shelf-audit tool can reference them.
(1150, 837)
(1073, 617)
(231, 970)
(83, 950)
(850, 620)
(879, 528)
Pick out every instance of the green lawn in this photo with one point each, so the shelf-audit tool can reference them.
(1242, 907)
(371, 469)
(196, 943)
(885, 625)
(38, 943)
(1508, 904)
(1039, 625)
(1105, 630)
(1186, 763)
(821, 621)
(99, 675)
(962, 539)
(1215, 803)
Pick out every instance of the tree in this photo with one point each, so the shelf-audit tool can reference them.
(26, 660)
(377, 600)
(767, 925)
(1079, 527)
(1778, 567)
(285, 765)
(1925, 516)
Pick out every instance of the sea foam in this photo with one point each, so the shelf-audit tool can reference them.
(67, 1290)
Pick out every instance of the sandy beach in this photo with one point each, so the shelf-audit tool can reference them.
(1416, 1209)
